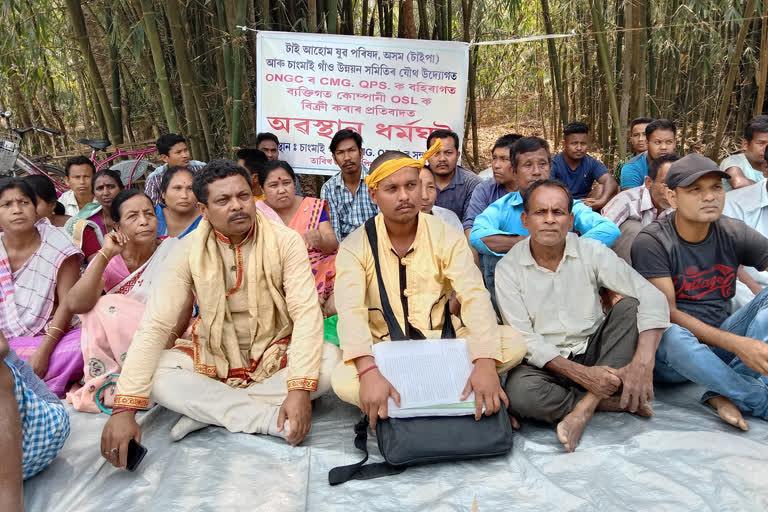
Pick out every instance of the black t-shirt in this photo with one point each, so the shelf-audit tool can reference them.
(704, 273)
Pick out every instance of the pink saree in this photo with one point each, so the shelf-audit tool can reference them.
(27, 299)
(308, 217)
(108, 329)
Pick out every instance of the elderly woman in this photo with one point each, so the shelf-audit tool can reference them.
(309, 217)
(38, 266)
(95, 216)
(177, 216)
(48, 205)
(111, 296)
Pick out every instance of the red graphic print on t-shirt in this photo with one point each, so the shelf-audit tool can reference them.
(696, 284)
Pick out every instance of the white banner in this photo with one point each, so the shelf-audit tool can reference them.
(394, 92)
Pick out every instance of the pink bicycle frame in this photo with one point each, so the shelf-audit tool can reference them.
(140, 153)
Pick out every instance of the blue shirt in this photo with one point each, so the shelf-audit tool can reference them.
(503, 218)
(162, 227)
(634, 172)
(456, 195)
(348, 211)
(484, 194)
(579, 180)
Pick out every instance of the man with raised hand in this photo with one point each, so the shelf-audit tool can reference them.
(693, 256)
(578, 359)
(254, 356)
(421, 260)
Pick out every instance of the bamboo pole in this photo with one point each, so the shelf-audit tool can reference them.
(762, 73)
(733, 68)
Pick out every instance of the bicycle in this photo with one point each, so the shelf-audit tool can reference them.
(126, 168)
(14, 163)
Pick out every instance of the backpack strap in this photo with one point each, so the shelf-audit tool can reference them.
(358, 470)
(395, 332)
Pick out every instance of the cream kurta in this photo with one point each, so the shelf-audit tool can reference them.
(438, 263)
(269, 305)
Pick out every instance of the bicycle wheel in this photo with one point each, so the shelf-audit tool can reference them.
(54, 171)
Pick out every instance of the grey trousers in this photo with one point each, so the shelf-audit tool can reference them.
(623, 245)
(542, 395)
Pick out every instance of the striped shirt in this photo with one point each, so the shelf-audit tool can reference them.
(348, 211)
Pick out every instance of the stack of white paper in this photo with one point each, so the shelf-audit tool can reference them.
(430, 376)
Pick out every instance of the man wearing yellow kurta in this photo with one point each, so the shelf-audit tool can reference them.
(422, 261)
(254, 357)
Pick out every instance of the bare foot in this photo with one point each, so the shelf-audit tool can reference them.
(728, 412)
(571, 427)
(613, 404)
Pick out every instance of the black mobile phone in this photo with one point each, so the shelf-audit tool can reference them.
(136, 453)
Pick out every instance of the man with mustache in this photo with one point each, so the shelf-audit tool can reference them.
(692, 256)
(422, 260)
(578, 358)
(498, 228)
(347, 193)
(455, 184)
(503, 182)
(254, 357)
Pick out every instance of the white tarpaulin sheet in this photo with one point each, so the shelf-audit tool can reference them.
(685, 458)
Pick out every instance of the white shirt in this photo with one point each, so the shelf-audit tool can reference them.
(740, 160)
(448, 216)
(486, 173)
(67, 199)
(558, 311)
(750, 205)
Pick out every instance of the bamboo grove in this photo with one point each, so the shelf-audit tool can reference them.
(130, 70)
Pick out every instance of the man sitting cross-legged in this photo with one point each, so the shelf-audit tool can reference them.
(548, 286)
(255, 356)
(693, 256)
(422, 260)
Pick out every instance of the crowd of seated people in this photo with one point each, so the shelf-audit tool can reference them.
(208, 291)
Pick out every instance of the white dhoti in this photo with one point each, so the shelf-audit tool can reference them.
(203, 399)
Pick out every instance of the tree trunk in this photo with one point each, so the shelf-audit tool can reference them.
(423, 19)
(762, 73)
(333, 13)
(114, 64)
(81, 36)
(186, 75)
(554, 63)
(265, 22)
(733, 68)
(238, 55)
(364, 19)
(605, 66)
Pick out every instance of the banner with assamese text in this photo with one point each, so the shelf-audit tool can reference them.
(394, 92)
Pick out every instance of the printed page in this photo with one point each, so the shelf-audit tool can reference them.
(426, 373)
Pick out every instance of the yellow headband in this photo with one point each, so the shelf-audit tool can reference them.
(392, 166)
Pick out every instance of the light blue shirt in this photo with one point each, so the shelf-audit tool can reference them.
(502, 217)
(634, 172)
(740, 160)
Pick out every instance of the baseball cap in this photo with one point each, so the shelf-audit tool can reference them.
(690, 168)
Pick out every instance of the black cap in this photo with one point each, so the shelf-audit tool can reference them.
(690, 168)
